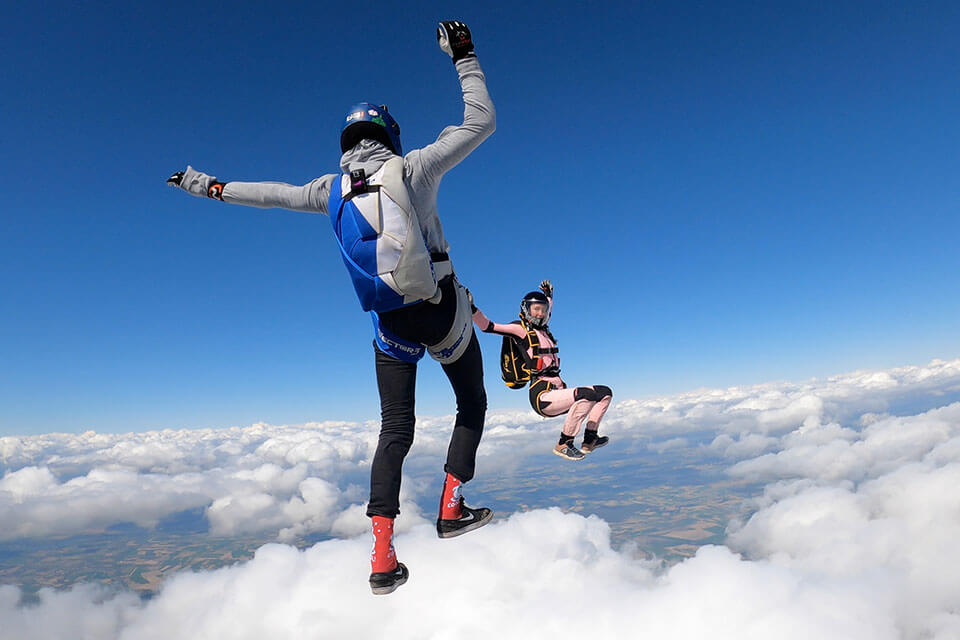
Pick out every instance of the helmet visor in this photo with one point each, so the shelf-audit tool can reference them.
(536, 313)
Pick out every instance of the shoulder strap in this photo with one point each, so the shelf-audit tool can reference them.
(358, 185)
(524, 343)
(534, 342)
(361, 183)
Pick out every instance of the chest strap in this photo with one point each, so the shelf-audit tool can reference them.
(539, 351)
(549, 372)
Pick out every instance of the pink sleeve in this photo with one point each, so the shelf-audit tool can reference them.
(485, 325)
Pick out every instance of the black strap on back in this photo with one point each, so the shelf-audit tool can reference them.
(358, 184)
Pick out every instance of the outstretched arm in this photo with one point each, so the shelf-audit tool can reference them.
(311, 197)
(487, 326)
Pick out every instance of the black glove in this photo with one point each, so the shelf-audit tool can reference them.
(547, 288)
(175, 179)
(454, 38)
(473, 307)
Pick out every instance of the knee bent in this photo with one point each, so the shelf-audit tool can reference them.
(595, 394)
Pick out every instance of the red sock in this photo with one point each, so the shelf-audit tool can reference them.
(383, 558)
(450, 502)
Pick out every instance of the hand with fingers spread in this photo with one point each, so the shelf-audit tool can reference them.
(547, 288)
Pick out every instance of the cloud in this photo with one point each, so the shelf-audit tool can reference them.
(780, 407)
(285, 480)
(831, 452)
(290, 481)
(666, 445)
(874, 503)
(540, 574)
(853, 535)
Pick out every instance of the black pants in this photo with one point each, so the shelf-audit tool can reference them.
(397, 381)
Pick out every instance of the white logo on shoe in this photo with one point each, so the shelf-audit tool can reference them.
(467, 517)
(455, 498)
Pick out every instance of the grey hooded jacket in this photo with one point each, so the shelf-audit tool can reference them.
(423, 168)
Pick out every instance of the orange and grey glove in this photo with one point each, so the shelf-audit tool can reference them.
(197, 183)
(215, 191)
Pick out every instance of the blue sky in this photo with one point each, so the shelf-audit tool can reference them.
(724, 195)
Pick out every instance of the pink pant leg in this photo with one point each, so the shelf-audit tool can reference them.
(578, 412)
(596, 413)
(557, 402)
(560, 401)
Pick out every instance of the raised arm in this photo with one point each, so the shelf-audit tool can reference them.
(479, 117)
(311, 197)
(547, 287)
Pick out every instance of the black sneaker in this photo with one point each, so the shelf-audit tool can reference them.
(587, 447)
(568, 452)
(469, 520)
(388, 581)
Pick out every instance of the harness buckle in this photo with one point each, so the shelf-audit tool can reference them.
(358, 181)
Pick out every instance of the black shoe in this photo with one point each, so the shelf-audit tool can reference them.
(388, 581)
(587, 447)
(469, 520)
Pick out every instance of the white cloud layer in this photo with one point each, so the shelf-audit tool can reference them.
(854, 535)
(540, 574)
(295, 480)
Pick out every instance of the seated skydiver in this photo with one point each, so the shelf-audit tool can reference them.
(549, 394)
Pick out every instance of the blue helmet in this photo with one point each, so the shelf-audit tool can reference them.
(367, 120)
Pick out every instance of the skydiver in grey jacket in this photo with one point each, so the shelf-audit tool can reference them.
(439, 324)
